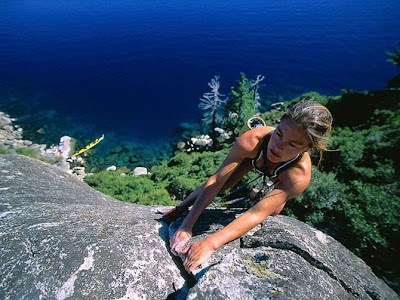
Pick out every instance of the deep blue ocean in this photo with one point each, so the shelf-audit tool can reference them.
(138, 68)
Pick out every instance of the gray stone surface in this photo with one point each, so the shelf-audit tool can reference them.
(60, 238)
(281, 259)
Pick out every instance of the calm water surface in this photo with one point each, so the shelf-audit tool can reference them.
(139, 67)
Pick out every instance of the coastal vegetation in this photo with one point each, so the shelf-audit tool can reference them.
(353, 196)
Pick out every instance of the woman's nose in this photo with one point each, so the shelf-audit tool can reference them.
(279, 145)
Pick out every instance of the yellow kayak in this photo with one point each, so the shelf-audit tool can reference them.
(91, 145)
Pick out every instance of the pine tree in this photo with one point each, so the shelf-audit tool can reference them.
(241, 105)
(256, 96)
(395, 60)
(211, 103)
(394, 57)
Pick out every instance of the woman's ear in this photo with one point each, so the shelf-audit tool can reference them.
(308, 148)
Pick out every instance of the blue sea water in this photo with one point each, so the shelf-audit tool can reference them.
(138, 68)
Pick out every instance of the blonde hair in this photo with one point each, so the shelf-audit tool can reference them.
(316, 120)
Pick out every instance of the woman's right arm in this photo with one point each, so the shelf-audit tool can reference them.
(210, 189)
(245, 147)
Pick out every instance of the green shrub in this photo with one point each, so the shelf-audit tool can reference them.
(127, 188)
(4, 151)
(130, 188)
(183, 159)
(27, 152)
(314, 96)
(317, 203)
(272, 118)
(373, 211)
(159, 197)
(186, 171)
(182, 186)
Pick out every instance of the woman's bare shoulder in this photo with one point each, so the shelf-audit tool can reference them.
(249, 143)
(263, 130)
(296, 179)
(252, 139)
(302, 169)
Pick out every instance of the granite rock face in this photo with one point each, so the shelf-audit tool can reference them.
(282, 258)
(61, 239)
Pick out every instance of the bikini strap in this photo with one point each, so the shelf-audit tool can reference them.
(286, 165)
(260, 153)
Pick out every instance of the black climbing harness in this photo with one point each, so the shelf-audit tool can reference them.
(266, 186)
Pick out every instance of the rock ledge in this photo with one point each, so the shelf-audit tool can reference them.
(60, 238)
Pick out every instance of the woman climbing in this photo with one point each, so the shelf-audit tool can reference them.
(279, 153)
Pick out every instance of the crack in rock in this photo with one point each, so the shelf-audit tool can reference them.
(304, 254)
(189, 279)
(322, 252)
(30, 248)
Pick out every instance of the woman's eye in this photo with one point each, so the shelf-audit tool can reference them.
(293, 145)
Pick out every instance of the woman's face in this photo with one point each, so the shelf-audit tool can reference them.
(286, 141)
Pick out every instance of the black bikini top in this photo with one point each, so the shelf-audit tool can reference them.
(283, 166)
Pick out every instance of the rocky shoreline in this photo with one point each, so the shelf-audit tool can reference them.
(11, 139)
(12, 142)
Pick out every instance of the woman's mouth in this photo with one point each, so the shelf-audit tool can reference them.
(274, 154)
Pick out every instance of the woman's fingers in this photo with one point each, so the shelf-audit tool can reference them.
(197, 253)
(178, 241)
(185, 249)
(172, 244)
(177, 245)
(189, 259)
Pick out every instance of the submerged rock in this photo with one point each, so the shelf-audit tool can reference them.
(181, 146)
(111, 168)
(140, 171)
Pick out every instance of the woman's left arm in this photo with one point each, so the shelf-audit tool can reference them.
(290, 186)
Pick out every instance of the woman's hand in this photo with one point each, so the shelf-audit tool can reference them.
(179, 240)
(197, 253)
